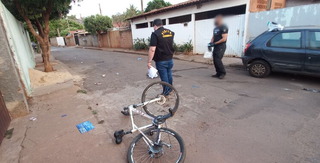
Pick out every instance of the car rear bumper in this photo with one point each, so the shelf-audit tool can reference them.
(245, 60)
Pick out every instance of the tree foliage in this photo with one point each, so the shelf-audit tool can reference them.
(62, 24)
(132, 11)
(37, 14)
(156, 4)
(121, 18)
(97, 23)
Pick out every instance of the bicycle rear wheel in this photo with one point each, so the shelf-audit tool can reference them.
(169, 99)
(171, 148)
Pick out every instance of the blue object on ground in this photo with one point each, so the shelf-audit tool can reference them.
(63, 115)
(85, 127)
(139, 59)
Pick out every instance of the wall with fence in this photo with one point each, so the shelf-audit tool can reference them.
(70, 41)
(85, 40)
(20, 46)
(117, 39)
(16, 58)
(292, 16)
(53, 41)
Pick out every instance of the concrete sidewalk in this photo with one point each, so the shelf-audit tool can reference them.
(44, 83)
(228, 61)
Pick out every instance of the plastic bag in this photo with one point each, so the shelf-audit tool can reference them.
(152, 72)
(207, 55)
(274, 26)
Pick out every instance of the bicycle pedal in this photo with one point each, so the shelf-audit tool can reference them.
(125, 112)
(118, 136)
(119, 133)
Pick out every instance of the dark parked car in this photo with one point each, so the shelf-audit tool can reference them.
(294, 50)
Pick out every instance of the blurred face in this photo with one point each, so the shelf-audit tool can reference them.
(218, 21)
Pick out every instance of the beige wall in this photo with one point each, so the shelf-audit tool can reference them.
(264, 5)
(53, 42)
(70, 41)
(117, 39)
(126, 39)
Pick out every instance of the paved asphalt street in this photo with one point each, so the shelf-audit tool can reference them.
(240, 119)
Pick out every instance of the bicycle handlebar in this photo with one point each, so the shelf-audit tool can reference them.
(162, 119)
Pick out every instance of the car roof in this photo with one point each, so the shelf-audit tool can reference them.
(301, 27)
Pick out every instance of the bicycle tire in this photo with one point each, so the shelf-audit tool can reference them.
(143, 98)
(181, 158)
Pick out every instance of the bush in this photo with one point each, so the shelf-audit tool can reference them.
(177, 48)
(141, 44)
(185, 47)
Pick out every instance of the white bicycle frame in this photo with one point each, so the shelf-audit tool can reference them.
(135, 128)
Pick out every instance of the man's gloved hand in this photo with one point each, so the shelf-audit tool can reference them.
(211, 44)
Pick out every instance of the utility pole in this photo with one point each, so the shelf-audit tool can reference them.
(100, 9)
(58, 30)
(141, 6)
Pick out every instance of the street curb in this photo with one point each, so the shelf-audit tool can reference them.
(146, 54)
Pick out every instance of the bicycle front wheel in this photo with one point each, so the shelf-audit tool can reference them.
(169, 99)
(171, 148)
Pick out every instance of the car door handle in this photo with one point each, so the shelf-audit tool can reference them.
(309, 57)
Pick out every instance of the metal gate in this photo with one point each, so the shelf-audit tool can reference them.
(4, 118)
(204, 31)
(235, 36)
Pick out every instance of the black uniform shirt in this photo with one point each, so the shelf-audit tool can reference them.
(219, 31)
(163, 39)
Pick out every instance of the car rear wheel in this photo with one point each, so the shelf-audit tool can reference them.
(259, 69)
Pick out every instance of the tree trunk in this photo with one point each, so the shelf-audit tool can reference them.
(45, 57)
(43, 31)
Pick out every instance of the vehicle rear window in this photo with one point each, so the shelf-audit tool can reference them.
(314, 40)
(286, 40)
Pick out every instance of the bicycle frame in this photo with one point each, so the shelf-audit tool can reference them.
(135, 128)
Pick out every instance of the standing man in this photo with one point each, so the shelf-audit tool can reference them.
(161, 51)
(218, 41)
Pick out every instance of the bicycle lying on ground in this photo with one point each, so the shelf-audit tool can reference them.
(155, 143)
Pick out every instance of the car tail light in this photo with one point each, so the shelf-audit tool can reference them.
(247, 47)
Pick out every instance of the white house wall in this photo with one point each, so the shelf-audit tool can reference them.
(292, 16)
(183, 33)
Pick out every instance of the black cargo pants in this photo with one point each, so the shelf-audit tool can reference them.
(218, 54)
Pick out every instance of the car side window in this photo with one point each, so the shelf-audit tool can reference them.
(314, 40)
(286, 40)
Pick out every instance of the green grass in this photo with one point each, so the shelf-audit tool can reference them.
(82, 91)
(9, 133)
(94, 112)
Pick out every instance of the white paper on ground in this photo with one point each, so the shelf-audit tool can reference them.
(207, 55)
(152, 72)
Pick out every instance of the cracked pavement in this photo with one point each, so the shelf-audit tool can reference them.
(237, 120)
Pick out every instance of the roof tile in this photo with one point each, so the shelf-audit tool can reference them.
(172, 7)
